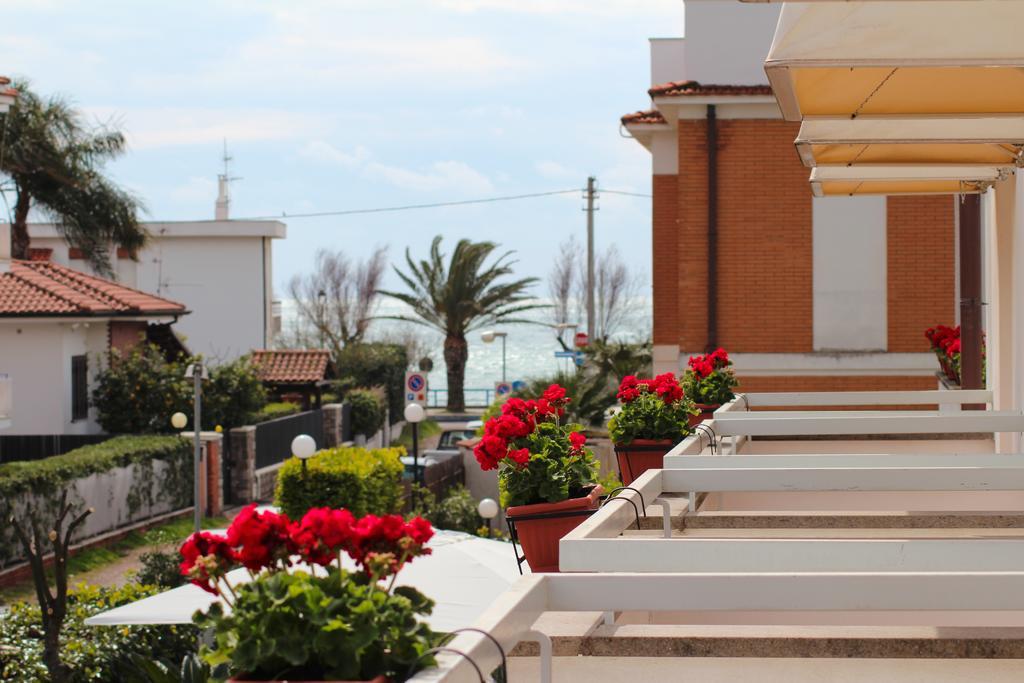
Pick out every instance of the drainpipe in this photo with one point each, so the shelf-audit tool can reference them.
(712, 145)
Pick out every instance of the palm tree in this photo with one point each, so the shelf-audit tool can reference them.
(53, 162)
(463, 296)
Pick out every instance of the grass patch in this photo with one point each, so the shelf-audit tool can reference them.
(427, 429)
(97, 557)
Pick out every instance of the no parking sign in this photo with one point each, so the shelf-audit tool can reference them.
(416, 388)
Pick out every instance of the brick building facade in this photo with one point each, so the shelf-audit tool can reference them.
(810, 293)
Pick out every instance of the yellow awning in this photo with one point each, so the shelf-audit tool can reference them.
(959, 57)
(991, 141)
(901, 180)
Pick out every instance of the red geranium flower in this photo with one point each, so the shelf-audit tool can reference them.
(577, 440)
(263, 538)
(521, 456)
(206, 557)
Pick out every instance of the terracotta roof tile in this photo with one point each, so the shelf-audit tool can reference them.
(649, 116)
(292, 367)
(695, 89)
(34, 288)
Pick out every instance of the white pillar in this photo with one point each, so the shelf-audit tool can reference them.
(1005, 280)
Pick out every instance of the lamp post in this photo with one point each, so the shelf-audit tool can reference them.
(303, 448)
(488, 337)
(414, 414)
(197, 372)
(488, 509)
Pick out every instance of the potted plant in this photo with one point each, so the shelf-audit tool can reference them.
(709, 381)
(945, 344)
(290, 622)
(654, 417)
(546, 473)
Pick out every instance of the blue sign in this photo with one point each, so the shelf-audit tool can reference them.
(565, 354)
(502, 388)
(518, 385)
(416, 382)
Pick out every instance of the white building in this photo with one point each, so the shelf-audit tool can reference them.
(221, 270)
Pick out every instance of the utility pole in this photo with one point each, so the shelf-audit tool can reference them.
(591, 194)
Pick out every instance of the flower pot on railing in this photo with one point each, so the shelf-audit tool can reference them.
(640, 455)
(540, 526)
(707, 411)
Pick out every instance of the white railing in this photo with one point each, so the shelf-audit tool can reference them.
(598, 544)
(513, 616)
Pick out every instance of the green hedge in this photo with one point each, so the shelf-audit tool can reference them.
(359, 479)
(92, 653)
(367, 414)
(39, 482)
(272, 411)
(372, 364)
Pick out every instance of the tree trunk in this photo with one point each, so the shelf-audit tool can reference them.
(19, 228)
(51, 656)
(456, 351)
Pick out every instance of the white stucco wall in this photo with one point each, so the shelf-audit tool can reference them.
(668, 60)
(849, 247)
(221, 271)
(37, 356)
(727, 42)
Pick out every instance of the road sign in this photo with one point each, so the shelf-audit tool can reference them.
(502, 388)
(581, 339)
(416, 388)
(518, 385)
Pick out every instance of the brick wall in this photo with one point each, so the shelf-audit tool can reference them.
(764, 291)
(665, 258)
(921, 263)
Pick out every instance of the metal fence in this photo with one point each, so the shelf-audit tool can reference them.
(475, 398)
(38, 446)
(274, 438)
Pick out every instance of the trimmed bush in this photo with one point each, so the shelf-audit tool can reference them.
(370, 364)
(233, 393)
(367, 414)
(457, 511)
(93, 653)
(361, 480)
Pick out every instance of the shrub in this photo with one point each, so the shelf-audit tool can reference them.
(42, 480)
(139, 391)
(455, 512)
(159, 569)
(93, 653)
(272, 411)
(367, 416)
(361, 480)
(369, 364)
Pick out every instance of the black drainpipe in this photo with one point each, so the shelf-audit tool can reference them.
(712, 143)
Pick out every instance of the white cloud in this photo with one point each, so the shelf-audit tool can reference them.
(195, 189)
(454, 175)
(554, 170)
(320, 150)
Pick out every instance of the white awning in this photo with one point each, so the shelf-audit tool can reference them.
(958, 57)
(985, 140)
(827, 181)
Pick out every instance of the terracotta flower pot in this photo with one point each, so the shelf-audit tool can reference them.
(539, 537)
(706, 412)
(243, 679)
(639, 456)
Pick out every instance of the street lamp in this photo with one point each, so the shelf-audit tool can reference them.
(488, 337)
(414, 414)
(303, 448)
(488, 509)
(178, 421)
(197, 372)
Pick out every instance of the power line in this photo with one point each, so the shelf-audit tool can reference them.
(436, 205)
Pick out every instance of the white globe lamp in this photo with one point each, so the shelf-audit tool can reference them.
(178, 420)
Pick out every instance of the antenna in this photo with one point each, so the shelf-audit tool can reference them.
(224, 179)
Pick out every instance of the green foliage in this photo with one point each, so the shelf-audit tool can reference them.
(141, 669)
(371, 364)
(160, 569)
(367, 415)
(335, 627)
(462, 295)
(715, 389)
(455, 512)
(427, 429)
(618, 359)
(649, 417)
(274, 410)
(592, 394)
(93, 653)
(42, 480)
(359, 479)
(553, 473)
(138, 391)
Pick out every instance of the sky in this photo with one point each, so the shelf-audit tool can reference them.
(353, 104)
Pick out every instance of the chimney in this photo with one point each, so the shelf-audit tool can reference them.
(223, 199)
(5, 247)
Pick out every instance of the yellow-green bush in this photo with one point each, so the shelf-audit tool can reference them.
(361, 480)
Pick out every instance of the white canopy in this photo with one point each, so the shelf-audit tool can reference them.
(915, 58)
(896, 180)
(985, 140)
(463, 575)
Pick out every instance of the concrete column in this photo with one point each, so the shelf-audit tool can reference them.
(970, 291)
(1001, 368)
(242, 459)
(333, 416)
(214, 497)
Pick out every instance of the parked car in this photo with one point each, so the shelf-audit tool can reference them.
(454, 432)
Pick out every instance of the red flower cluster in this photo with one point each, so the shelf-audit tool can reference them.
(942, 338)
(703, 366)
(518, 420)
(269, 540)
(666, 386)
